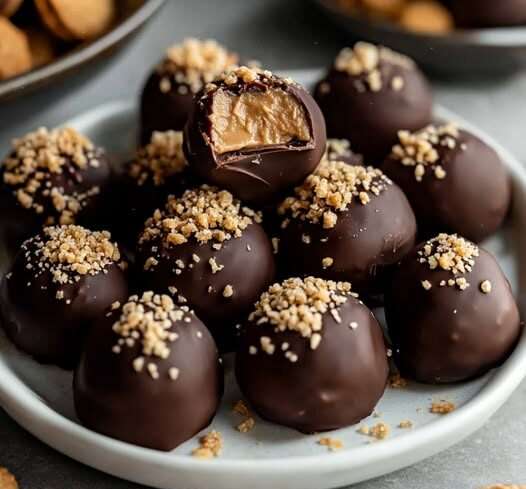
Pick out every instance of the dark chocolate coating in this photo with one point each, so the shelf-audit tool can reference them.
(248, 272)
(115, 400)
(48, 328)
(365, 242)
(257, 176)
(18, 223)
(472, 200)
(489, 13)
(444, 334)
(163, 111)
(371, 120)
(336, 385)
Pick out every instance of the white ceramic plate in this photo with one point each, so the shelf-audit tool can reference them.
(40, 398)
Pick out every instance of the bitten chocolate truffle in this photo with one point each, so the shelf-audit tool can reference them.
(167, 96)
(488, 13)
(158, 170)
(450, 312)
(312, 356)
(149, 375)
(340, 150)
(61, 280)
(255, 134)
(345, 223)
(211, 251)
(50, 177)
(454, 181)
(369, 94)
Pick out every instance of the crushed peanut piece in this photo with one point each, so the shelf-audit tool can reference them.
(485, 286)
(246, 425)
(210, 445)
(405, 424)
(442, 407)
(241, 408)
(396, 381)
(332, 444)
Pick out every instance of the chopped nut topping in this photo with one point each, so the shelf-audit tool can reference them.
(299, 305)
(162, 158)
(337, 149)
(228, 291)
(327, 262)
(426, 284)
(7, 480)
(396, 381)
(246, 425)
(421, 149)
(204, 214)
(35, 163)
(194, 63)
(241, 408)
(379, 431)
(70, 252)
(405, 424)
(148, 321)
(442, 407)
(210, 446)
(332, 444)
(485, 286)
(451, 253)
(331, 189)
(366, 59)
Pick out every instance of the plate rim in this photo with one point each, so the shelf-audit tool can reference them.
(25, 406)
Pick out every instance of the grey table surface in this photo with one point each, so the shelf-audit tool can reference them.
(282, 34)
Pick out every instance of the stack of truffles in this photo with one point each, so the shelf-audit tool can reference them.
(239, 227)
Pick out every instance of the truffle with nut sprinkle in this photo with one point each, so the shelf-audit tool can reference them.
(312, 356)
(255, 134)
(369, 94)
(450, 312)
(50, 177)
(60, 282)
(150, 373)
(454, 181)
(158, 170)
(208, 248)
(167, 95)
(345, 223)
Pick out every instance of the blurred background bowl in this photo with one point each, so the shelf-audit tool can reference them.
(87, 57)
(472, 52)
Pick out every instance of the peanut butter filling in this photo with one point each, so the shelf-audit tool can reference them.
(257, 119)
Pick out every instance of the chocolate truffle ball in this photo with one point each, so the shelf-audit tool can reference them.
(254, 134)
(149, 375)
(454, 181)
(345, 223)
(312, 356)
(167, 96)
(340, 150)
(488, 13)
(50, 177)
(61, 280)
(450, 312)
(158, 170)
(369, 94)
(209, 250)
